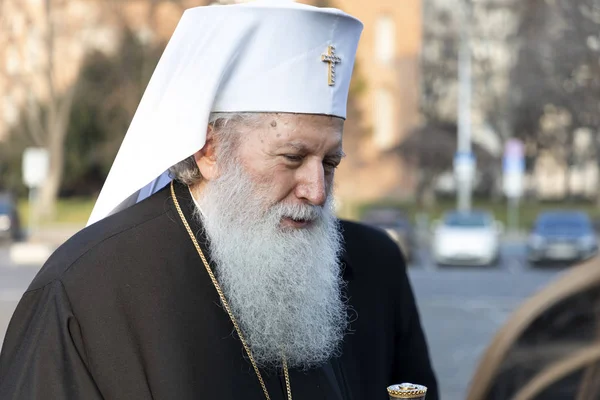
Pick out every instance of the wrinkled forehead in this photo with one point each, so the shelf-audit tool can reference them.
(297, 126)
(306, 119)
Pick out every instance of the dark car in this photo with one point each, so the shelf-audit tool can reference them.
(396, 224)
(562, 236)
(10, 225)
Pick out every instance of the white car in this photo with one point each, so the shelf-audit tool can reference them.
(467, 238)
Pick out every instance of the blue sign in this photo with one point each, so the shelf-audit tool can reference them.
(514, 168)
(464, 166)
(513, 165)
(514, 157)
(464, 158)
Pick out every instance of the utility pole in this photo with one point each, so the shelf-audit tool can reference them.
(464, 162)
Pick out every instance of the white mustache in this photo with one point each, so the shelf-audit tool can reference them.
(298, 212)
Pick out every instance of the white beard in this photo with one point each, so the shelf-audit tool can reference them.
(284, 286)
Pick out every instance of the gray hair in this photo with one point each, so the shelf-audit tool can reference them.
(226, 138)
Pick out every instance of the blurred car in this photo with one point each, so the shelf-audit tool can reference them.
(562, 236)
(396, 224)
(467, 238)
(10, 225)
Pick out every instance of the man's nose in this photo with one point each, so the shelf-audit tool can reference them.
(312, 185)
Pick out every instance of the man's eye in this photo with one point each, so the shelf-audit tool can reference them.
(330, 166)
(292, 157)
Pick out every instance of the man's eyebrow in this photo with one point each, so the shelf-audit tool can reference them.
(299, 146)
(339, 153)
(303, 148)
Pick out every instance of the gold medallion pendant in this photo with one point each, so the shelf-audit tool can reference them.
(407, 391)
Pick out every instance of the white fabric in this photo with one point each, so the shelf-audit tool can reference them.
(196, 203)
(263, 56)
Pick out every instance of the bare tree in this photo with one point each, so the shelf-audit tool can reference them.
(494, 45)
(61, 42)
(51, 48)
(429, 149)
(58, 106)
(493, 40)
(557, 77)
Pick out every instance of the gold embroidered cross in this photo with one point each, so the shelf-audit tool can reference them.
(331, 59)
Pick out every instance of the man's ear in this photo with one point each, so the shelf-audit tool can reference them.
(206, 157)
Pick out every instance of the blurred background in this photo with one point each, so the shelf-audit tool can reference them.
(473, 139)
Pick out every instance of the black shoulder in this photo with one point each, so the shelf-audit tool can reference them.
(92, 236)
(359, 234)
(372, 256)
(362, 241)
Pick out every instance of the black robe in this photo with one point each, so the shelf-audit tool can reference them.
(125, 310)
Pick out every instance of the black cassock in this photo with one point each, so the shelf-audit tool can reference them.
(125, 310)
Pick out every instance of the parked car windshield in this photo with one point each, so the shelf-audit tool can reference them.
(564, 223)
(467, 220)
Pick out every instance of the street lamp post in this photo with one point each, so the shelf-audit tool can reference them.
(464, 161)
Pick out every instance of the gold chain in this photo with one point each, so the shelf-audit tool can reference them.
(227, 308)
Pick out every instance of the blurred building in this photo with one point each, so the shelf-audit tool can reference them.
(385, 108)
(388, 61)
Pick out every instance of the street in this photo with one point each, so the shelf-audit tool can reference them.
(13, 282)
(461, 307)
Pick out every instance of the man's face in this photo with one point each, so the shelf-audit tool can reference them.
(293, 158)
(274, 238)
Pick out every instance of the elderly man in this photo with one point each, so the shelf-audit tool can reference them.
(214, 267)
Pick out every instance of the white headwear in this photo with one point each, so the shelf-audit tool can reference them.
(265, 56)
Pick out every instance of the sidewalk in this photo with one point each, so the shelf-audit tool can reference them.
(54, 235)
(37, 247)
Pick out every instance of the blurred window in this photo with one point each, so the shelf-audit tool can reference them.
(385, 39)
(474, 220)
(384, 118)
(568, 222)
